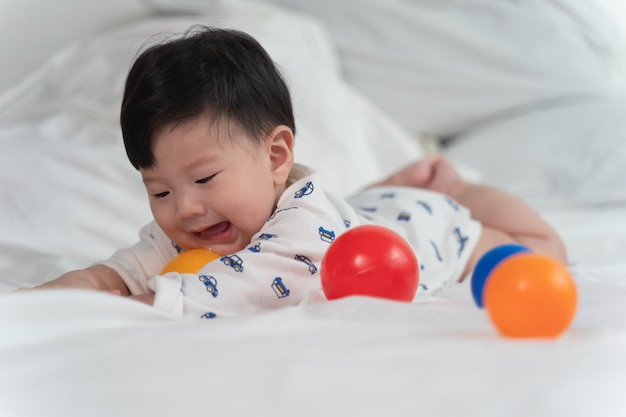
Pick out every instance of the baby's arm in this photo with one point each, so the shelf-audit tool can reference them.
(505, 218)
(96, 277)
(127, 270)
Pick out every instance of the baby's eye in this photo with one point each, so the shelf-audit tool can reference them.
(205, 179)
(161, 195)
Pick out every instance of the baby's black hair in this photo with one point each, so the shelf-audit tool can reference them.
(220, 72)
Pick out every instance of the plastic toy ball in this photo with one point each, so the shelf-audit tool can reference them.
(370, 261)
(486, 264)
(190, 261)
(531, 296)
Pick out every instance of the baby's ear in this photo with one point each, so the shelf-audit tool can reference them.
(279, 143)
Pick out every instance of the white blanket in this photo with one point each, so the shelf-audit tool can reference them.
(75, 353)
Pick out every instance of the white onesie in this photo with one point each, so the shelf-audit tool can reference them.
(280, 266)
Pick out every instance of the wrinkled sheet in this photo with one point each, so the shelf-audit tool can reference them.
(94, 354)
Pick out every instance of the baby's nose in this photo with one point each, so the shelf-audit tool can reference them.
(188, 206)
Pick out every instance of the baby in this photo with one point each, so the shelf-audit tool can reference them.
(207, 120)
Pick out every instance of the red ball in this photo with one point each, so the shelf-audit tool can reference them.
(370, 261)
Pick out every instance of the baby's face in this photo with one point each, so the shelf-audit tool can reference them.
(210, 193)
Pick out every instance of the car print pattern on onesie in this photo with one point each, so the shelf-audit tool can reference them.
(312, 268)
(436, 251)
(210, 282)
(306, 190)
(233, 261)
(279, 288)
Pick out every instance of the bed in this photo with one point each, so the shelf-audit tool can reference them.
(529, 96)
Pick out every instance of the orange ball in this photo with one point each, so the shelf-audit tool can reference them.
(531, 296)
(190, 261)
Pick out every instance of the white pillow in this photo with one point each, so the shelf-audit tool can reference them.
(569, 153)
(444, 66)
(67, 187)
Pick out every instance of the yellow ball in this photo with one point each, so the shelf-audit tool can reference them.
(190, 261)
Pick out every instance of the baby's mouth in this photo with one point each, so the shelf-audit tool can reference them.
(213, 232)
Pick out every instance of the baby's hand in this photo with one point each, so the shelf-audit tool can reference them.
(434, 172)
(143, 298)
(79, 279)
(95, 277)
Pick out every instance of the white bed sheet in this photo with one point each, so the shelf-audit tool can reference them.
(98, 355)
(69, 197)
